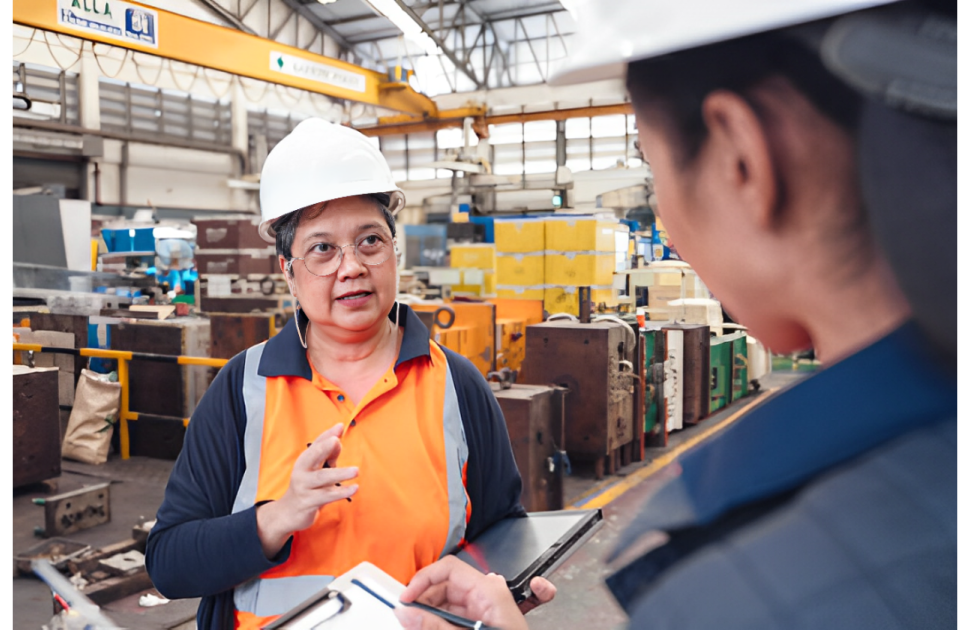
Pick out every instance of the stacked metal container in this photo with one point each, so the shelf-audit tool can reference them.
(238, 270)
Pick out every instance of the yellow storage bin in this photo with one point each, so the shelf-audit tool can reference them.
(474, 256)
(476, 282)
(580, 268)
(521, 269)
(566, 299)
(519, 236)
(580, 234)
(520, 293)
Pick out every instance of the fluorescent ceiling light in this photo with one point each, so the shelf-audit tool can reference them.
(399, 17)
(326, 1)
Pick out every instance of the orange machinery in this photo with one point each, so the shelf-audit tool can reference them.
(512, 317)
(470, 331)
(489, 334)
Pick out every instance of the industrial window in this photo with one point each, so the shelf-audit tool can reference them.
(53, 93)
(143, 110)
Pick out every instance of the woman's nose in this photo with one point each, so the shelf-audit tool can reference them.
(350, 267)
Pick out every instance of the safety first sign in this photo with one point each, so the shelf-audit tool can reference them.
(111, 18)
(313, 71)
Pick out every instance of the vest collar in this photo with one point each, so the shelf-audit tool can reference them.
(284, 355)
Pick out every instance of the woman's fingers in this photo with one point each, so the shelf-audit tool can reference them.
(543, 592)
(330, 476)
(438, 573)
(324, 449)
(414, 619)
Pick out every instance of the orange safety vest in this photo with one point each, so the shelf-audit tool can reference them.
(407, 439)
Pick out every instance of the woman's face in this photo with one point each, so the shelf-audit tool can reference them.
(357, 297)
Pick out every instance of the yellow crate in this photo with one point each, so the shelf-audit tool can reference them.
(470, 285)
(518, 236)
(476, 256)
(521, 269)
(579, 268)
(520, 293)
(566, 299)
(575, 234)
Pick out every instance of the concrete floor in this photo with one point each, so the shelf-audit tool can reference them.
(582, 602)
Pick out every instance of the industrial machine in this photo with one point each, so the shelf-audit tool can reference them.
(595, 363)
(468, 328)
(534, 416)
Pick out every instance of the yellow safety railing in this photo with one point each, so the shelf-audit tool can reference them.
(124, 414)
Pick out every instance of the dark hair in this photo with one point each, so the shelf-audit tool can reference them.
(286, 225)
(676, 85)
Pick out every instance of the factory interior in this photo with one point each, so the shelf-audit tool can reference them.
(528, 245)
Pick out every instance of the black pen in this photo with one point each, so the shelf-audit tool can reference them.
(327, 465)
(455, 620)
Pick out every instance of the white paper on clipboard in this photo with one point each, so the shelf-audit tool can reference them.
(364, 611)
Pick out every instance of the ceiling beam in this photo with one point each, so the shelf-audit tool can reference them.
(227, 15)
(328, 30)
(452, 57)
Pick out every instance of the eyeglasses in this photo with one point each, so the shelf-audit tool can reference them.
(323, 259)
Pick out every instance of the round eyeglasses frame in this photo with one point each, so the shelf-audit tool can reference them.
(339, 260)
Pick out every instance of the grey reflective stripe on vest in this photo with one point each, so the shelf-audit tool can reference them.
(254, 395)
(259, 596)
(456, 454)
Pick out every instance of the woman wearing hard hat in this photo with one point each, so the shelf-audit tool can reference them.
(804, 158)
(350, 436)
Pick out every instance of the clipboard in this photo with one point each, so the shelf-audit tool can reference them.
(344, 605)
(535, 545)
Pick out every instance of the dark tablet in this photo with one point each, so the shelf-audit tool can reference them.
(523, 548)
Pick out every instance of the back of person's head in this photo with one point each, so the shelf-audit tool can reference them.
(886, 77)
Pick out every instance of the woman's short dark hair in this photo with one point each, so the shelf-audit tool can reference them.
(676, 85)
(286, 225)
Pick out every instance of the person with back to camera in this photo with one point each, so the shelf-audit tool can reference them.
(804, 159)
(349, 436)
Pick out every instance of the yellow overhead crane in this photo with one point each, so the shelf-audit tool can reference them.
(164, 34)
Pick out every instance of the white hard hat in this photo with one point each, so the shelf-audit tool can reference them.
(321, 161)
(610, 35)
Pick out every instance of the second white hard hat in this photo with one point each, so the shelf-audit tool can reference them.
(321, 161)
(609, 35)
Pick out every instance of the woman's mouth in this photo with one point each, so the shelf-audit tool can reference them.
(354, 299)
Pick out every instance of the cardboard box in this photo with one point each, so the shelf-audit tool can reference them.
(473, 256)
(580, 234)
(478, 282)
(580, 269)
(513, 292)
(520, 235)
(559, 299)
(521, 269)
(658, 297)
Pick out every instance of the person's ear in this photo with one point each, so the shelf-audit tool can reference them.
(740, 152)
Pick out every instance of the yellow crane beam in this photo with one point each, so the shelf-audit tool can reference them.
(170, 35)
(451, 118)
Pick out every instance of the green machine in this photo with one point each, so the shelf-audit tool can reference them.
(654, 421)
(729, 369)
(739, 375)
(722, 371)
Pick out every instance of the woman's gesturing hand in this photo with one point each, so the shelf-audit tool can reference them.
(314, 483)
